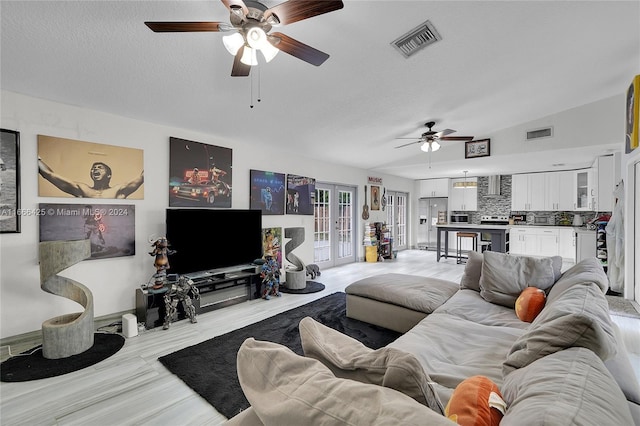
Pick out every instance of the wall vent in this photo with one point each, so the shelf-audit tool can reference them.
(545, 132)
(416, 39)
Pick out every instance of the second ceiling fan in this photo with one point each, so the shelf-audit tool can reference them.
(251, 22)
(429, 139)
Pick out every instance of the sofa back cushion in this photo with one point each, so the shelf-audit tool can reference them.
(472, 271)
(579, 317)
(348, 358)
(587, 270)
(504, 276)
(288, 389)
(570, 387)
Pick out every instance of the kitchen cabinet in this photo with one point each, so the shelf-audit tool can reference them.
(567, 244)
(559, 191)
(534, 241)
(520, 241)
(585, 244)
(464, 197)
(585, 192)
(606, 185)
(434, 188)
(528, 192)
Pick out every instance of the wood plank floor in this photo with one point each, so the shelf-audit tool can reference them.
(133, 388)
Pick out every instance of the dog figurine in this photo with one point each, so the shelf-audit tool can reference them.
(313, 270)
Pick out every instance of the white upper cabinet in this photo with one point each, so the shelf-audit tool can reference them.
(434, 188)
(606, 183)
(584, 196)
(559, 191)
(462, 195)
(528, 192)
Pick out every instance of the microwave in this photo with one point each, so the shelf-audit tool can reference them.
(459, 218)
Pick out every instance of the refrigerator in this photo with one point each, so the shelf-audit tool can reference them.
(428, 209)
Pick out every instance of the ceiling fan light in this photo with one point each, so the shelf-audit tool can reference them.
(425, 147)
(269, 51)
(249, 56)
(233, 43)
(256, 37)
(435, 146)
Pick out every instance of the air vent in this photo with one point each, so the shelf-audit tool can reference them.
(416, 39)
(546, 132)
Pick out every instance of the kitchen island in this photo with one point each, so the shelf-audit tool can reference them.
(499, 235)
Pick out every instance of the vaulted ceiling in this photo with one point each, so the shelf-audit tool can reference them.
(499, 64)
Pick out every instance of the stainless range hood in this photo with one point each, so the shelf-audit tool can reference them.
(493, 189)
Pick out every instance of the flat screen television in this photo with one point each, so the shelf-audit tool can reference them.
(206, 239)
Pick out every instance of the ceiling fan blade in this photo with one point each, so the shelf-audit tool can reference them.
(417, 137)
(239, 69)
(297, 10)
(180, 27)
(298, 49)
(444, 132)
(233, 5)
(456, 138)
(407, 144)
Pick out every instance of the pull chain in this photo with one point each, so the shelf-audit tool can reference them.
(257, 67)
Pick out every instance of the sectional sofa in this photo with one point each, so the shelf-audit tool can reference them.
(566, 367)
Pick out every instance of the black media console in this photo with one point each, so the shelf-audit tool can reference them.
(218, 288)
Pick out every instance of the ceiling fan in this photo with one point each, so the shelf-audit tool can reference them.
(251, 22)
(429, 139)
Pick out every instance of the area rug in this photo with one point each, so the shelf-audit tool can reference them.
(31, 365)
(311, 287)
(622, 307)
(209, 368)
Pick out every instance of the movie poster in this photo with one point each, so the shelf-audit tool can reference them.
(267, 192)
(301, 194)
(70, 168)
(109, 227)
(199, 174)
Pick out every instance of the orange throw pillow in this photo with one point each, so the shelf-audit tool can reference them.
(476, 401)
(530, 303)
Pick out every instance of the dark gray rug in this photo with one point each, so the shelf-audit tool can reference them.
(209, 368)
(310, 287)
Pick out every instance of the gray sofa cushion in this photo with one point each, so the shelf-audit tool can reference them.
(287, 389)
(579, 317)
(570, 387)
(587, 270)
(504, 276)
(472, 272)
(347, 358)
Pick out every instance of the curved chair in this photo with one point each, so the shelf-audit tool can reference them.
(68, 334)
(296, 278)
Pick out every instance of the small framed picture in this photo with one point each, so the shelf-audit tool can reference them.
(9, 181)
(479, 148)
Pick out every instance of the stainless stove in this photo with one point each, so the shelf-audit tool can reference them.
(494, 220)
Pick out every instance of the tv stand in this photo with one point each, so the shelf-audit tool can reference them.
(218, 288)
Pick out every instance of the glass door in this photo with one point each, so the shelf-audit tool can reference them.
(334, 236)
(397, 216)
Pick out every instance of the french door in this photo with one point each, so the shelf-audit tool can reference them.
(397, 215)
(334, 234)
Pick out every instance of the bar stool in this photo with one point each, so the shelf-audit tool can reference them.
(459, 238)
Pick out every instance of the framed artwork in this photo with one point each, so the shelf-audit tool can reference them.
(199, 174)
(375, 197)
(272, 243)
(301, 194)
(70, 168)
(10, 212)
(109, 227)
(479, 148)
(633, 115)
(267, 192)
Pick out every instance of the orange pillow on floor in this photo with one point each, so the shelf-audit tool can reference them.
(530, 303)
(476, 401)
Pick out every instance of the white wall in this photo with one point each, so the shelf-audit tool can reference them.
(24, 306)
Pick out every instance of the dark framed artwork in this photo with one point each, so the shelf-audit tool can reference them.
(375, 197)
(301, 194)
(267, 192)
(479, 148)
(200, 175)
(71, 168)
(109, 227)
(10, 212)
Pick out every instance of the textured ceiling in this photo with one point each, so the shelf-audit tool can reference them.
(499, 64)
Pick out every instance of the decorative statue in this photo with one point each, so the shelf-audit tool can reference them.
(270, 277)
(161, 252)
(182, 291)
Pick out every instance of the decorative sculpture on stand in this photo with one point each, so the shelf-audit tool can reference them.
(296, 276)
(182, 291)
(161, 252)
(68, 334)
